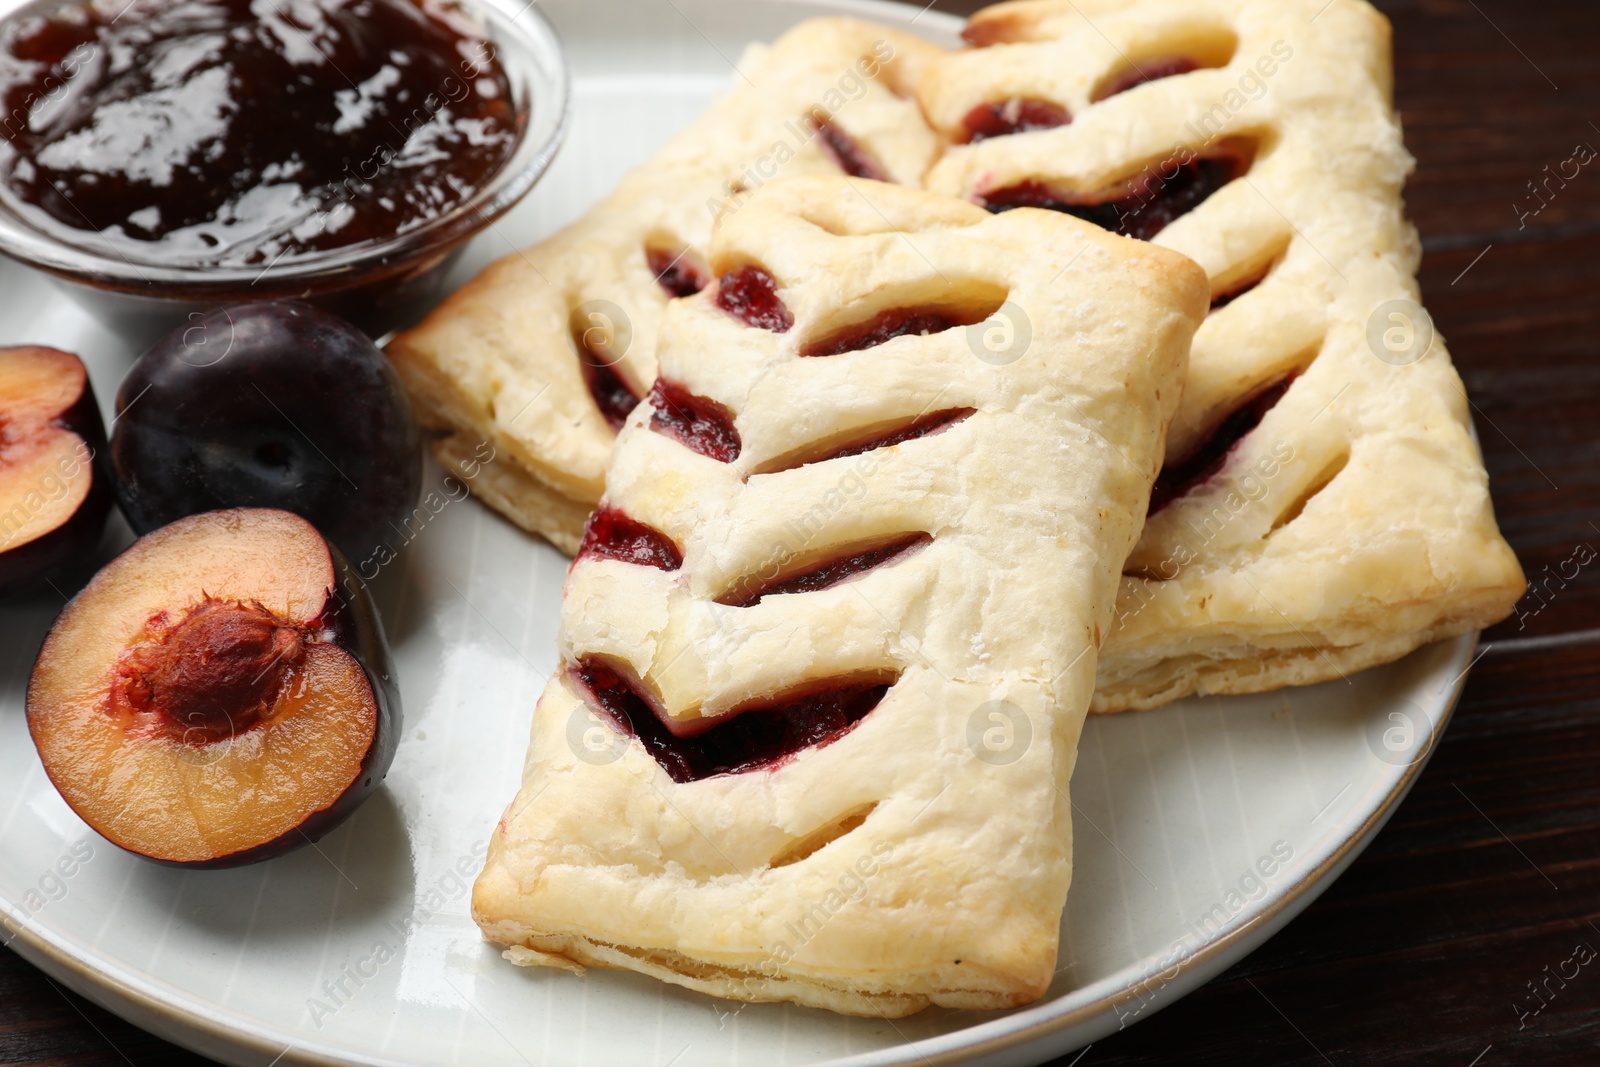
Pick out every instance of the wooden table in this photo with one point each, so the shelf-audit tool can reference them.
(1489, 875)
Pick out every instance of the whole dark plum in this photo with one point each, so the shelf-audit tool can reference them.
(276, 405)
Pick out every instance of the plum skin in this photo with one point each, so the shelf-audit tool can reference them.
(350, 620)
(276, 404)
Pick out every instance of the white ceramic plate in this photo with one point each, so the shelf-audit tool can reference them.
(1201, 829)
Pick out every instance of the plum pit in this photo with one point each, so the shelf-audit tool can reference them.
(214, 674)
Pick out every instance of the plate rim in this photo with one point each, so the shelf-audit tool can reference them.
(211, 1031)
(1033, 1025)
(1039, 1022)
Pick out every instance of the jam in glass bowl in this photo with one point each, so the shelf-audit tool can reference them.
(159, 157)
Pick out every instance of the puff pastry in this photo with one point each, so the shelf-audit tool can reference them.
(1351, 522)
(846, 586)
(544, 352)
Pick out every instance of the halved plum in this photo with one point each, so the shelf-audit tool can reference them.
(218, 694)
(53, 501)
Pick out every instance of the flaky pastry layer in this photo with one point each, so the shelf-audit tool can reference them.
(500, 360)
(923, 856)
(1353, 523)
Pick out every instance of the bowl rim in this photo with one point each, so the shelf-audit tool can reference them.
(547, 72)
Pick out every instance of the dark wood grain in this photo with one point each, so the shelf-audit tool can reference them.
(1490, 872)
(1422, 952)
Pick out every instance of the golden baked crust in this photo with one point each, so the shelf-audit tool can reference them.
(1353, 524)
(499, 361)
(921, 858)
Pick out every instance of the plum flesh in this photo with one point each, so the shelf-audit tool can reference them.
(53, 499)
(276, 405)
(218, 694)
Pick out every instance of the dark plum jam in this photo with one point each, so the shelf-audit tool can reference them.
(1149, 204)
(610, 534)
(847, 152)
(1150, 71)
(895, 322)
(1016, 115)
(236, 133)
(676, 274)
(750, 294)
(1178, 478)
(612, 395)
(699, 423)
(753, 739)
(827, 574)
(921, 426)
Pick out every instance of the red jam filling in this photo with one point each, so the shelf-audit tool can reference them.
(231, 132)
(895, 322)
(1147, 72)
(847, 153)
(1177, 479)
(677, 275)
(755, 738)
(921, 426)
(1016, 115)
(826, 575)
(612, 535)
(699, 423)
(750, 294)
(1156, 200)
(614, 397)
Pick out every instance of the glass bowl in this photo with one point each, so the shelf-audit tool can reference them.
(378, 285)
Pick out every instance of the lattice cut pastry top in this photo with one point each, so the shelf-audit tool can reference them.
(543, 354)
(1353, 522)
(918, 851)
